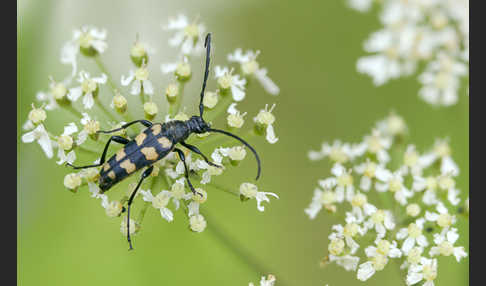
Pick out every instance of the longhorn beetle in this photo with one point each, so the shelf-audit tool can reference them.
(153, 144)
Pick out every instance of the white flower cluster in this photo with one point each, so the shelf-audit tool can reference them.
(433, 32)
(414, 219)
(81, 137)
(268, 281)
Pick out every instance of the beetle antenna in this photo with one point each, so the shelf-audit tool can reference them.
(207, 45)
(244, 142)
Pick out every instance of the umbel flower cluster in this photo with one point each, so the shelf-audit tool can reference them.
(399, 203)
(96, 101)
(432, 33)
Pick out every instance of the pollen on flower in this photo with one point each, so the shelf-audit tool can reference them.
(198, 198)
(378, 217)
(383, 247)
(350, 229)
(248, 190)
(72, 181)
(411, 157)
(134, 226)
(92, 126)
(336, 246)
(235, 120)
(446, 182)
(414, 231)
(396, 125)
(225, 81)
(113, 208)
(370, 169)
(395, 185)
(183, 71)
(210, 99)
(161, 200)
(89, 86)
(359, 200)
(445, 220)
(142, 73)
(197, 223)
(172, 91)
(178, 191)
(250, 67)
(37, 115)
(58, 90)
(446, 248)
(442, 148)
(150, 108)
(379, 262)
(345, 180)
(65, 142)
(237, 153)
(414, 255)
(120, 103)
(413, 210)
(429, 272)
(265, 117)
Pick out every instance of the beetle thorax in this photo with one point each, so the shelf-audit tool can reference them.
(197, 125)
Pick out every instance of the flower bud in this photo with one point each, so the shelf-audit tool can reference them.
(181, 116)
(183, 71)
(138, 54)
(150, 109)
(92, 127)
(65, 142)
(235, 120)
(114, 209)
(72, 182)
(120, 103)
(37, 115)
(198, 198)
(248, 190)
(210, 99)
(171, 92)
(236, 154)
(197, 223)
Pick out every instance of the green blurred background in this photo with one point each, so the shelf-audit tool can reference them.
(310, 49)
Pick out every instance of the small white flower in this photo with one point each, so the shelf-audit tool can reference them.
(89, 88)
(40, 135)
(413, 235)
(394, 184)
(426, 270)
(250, 67)
(188, 36)
(269, 281)
(65, 143)
(235, 117)
(138, 80)
(250, 191)
(442, 217)
(160, 201)
(378, 144)
(181, 69)
(445, 245)
(197, 223)
(380, 220)
(378, 258)
(89, 40)
(265, 119)
(228, 81)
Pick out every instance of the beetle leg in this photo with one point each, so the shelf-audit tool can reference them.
(145, 174)
(196, 150)
(144, 122)
(183, 159)
(117, 139)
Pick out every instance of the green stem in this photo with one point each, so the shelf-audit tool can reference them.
(222, 106)
(103, 69)
(174, 107)
(105, 111)
(73, 111)
(218, 187)
(238, 249)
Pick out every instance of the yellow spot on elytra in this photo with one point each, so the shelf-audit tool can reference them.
(106, 166)
(128, 166)
(165, 142)
(120, 154)
(111, 174)
(140, 138)
(156, 129)
(150, 153)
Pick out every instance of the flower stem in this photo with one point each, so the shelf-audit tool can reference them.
(221, 107)
(174, 107)
(233, 245)
(105, 111)
(73, 110)
(218, 187)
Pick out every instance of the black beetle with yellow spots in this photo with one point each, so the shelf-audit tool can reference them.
(153, 144)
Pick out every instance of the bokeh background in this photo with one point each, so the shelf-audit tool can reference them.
(310, 49)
